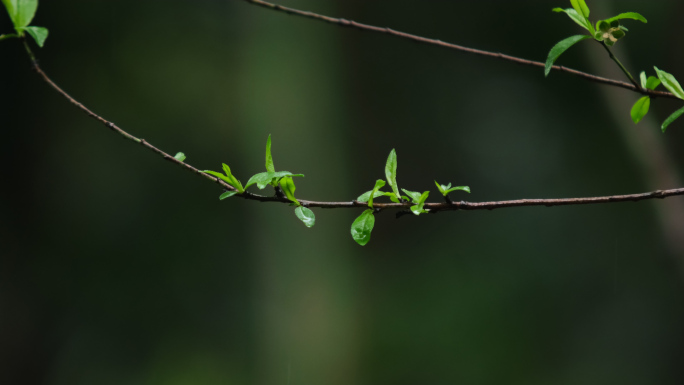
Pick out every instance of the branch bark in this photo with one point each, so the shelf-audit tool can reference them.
(423, 40)
(433, 207)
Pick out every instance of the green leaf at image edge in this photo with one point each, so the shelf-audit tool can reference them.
(39, 34)
(669, 81)
(640, 109)
(21, 12)
(305, 215)
(227, 194)
(672, 118)
(559, 48)
(362, 227)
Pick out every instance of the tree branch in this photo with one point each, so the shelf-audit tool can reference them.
(424, 40)
(433, 207)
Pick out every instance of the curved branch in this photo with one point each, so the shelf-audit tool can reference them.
(424, 40)
(448, 205)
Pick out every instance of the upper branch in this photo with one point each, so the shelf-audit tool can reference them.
(424, 40)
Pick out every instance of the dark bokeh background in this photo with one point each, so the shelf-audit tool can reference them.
(118, 268)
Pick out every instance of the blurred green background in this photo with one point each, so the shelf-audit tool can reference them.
(118, 268)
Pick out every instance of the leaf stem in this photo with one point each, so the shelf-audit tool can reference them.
(8, 36)
(622, 67)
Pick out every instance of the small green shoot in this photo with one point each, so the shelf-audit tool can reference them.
(418, 209)
(362, 227)
(180, 157)
(288, 186)
(21, 12)
(228, 178)
(445, 190)
(378, 185)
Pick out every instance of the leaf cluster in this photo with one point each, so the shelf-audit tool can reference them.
(608, 32)
(21, 12)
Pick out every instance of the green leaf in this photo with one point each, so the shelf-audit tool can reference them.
(39, 34)
(577, 18)
(378, 185)
(391, 172)
(363, 198)
(652, 83)
(305, 215)
(415, 196)
(263, 179)
(418, 208)
(640, 109)
(461, 188)
(441, 188)
(642, 77)
(362, 227)
(227, 194)
(628, 15)
(561, 47)
(218, 175)
(11, 6)
(24, 10)
(288, 186)
(180, 156)
(672, 118)
(269, 159)
(233, 180)
(581, 7)
(670, 83)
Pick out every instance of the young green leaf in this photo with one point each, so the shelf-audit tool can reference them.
(442, 188)
(577, 18)
(670, 83)
(418, 208)
(11, 6)
(642, 78)
(288, 186)
(362, 227)
(460, 188)
(672, 118)
(561, 47)
(227, 194)
(363, 198)
(263, 179)
(233, 180)
(652, 83)
(269, 159)
(640, 109)
(628, 15)
(21, 12)
(305, 215)
(415, 196)
(39, 34)
(180, 156)
(581, 7)
(391, 172)
(378, 185)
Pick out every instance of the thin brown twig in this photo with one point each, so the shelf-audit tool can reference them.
(448, 205)
(424, 40)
